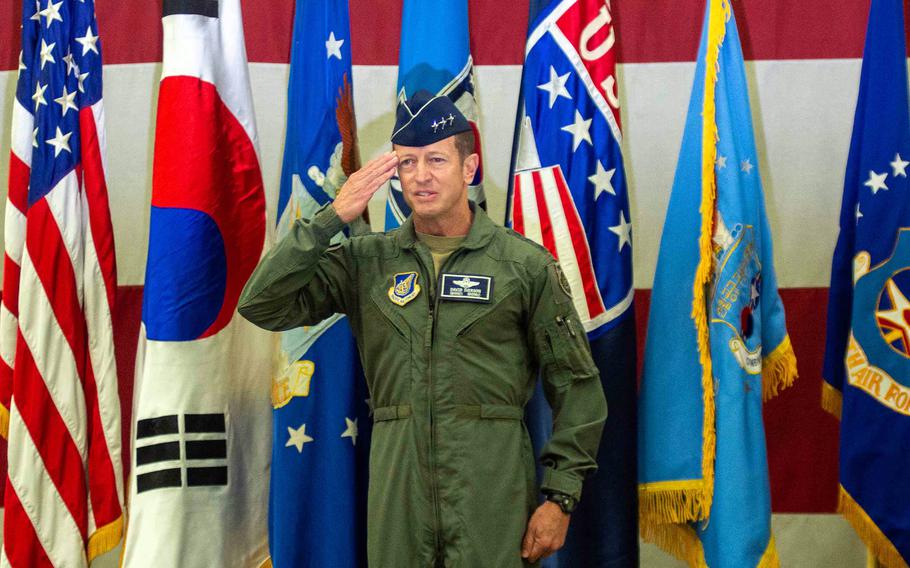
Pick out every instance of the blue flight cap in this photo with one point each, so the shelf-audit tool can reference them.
(426, 118)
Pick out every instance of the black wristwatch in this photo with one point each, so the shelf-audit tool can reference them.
(566, 502)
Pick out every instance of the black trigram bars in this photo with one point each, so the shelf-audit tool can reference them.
(208, 8)
(208, 442)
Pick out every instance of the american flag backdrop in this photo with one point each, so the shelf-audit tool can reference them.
(803, 62)
(64, 490)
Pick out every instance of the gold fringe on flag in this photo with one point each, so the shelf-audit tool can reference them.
(672, 502)
(832, 399)
(868, 531)
(769, 559)
(4, 422)
(719, 13)
(105, 538)
(679, 541)
(778, 370)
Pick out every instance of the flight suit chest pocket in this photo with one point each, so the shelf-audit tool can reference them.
(569, 352)
(394, 321)
(495, 315)
(489, 358)
(386, 352)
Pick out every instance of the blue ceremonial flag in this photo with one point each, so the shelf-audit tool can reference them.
(317, 502)
(867, 351)
(568, 193)
(435, 55)
(717, 342)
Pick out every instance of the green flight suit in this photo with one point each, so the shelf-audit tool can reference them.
(452, 472)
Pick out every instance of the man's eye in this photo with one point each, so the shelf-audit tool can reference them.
(405, 163)
(437, 160)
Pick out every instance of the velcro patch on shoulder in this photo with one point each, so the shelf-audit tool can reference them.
(562, 292)
(467, 288)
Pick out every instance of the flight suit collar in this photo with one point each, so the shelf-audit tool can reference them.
(482, 230)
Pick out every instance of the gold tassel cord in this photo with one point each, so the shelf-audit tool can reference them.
(869, 532)
(778, 370)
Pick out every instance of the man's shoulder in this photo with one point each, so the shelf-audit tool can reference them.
(518, 248)
(375, 244)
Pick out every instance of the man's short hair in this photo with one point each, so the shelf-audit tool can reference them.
(464, 143)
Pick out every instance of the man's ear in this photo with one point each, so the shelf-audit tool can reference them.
(469, 167)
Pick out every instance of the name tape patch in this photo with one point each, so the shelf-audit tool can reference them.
(467, 288)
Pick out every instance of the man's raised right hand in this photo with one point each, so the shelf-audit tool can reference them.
(355, 194)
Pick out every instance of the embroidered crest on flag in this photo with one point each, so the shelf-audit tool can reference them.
(878, 353)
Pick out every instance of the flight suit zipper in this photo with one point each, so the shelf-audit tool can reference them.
(434, 316)
(431, 458)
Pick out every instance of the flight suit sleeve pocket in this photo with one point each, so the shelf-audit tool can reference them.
(570, 353)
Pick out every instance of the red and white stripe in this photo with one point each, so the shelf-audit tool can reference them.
(14, 241)
(64, 491)
(544, 211)
(803, 63)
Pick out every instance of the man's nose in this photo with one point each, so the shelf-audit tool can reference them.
(423, 172)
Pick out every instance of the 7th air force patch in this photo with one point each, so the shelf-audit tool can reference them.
(404, 288)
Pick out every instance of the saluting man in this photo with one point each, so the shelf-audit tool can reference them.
(454, 318)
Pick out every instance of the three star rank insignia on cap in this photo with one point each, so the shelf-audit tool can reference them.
(426, 118)
(404, 288)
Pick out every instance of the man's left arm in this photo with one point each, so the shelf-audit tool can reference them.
(573, 389)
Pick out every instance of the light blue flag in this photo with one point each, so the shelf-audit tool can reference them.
(435, 55)
(321, 422)
(717, 344)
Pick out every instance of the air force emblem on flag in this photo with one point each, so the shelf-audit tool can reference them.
(466, 288)
(738, 291)
(878, 353)
(404, 288)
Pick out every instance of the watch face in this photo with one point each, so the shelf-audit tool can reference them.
(565, 502)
